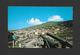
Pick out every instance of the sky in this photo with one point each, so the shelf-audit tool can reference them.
(25, 16)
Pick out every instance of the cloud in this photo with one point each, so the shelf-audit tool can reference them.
(55, 18)
(34, 21)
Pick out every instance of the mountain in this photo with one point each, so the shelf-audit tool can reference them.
(50, 24)
(27, 36)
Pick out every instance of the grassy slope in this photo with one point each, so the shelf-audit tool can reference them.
(50, 24)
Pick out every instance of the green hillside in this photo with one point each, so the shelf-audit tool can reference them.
(49, 25)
